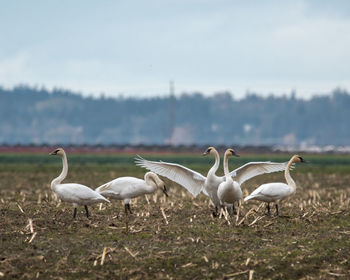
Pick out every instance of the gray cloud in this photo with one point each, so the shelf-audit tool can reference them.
(135, 47)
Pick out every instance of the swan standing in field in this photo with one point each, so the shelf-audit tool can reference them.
(126, 188)
(229, 191)
(212, 181)
(76, 193)
(276, 192)
(195, 182)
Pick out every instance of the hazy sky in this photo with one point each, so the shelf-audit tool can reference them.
(137, 47)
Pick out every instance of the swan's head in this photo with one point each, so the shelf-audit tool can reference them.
(209, 151)
(165, 191)
(297, 158)
(58, 151)
(160, 184)
(231, 152)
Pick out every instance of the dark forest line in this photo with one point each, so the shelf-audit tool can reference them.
(32, 115)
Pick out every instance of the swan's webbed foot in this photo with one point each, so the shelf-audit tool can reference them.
(75, 213)
(277, 213)
(87, 211)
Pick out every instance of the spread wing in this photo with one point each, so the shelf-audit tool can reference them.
(252, 169)
(205, 192)
(191, 180)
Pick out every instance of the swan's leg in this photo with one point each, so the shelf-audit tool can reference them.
(75, 212)
(276, 205)
(239, 207)
(222, 210)
(87, 211)
(215, 213)
(128, 206)
(126, 217)
(234, 211)
(230, 209)
(268, 209)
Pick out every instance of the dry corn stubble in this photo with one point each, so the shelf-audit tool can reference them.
(173, 237)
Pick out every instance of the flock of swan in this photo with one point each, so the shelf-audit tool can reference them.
(223, 191)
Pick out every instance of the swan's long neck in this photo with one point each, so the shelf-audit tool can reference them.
(63, 174)
(226, 171)
(289, 178)
(215, 167)
(151, 181)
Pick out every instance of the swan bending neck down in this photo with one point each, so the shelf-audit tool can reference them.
(229, 191)
(276, 192)
(126, 188)
(75, 193)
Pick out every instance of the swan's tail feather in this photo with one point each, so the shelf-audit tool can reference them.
(105, 199)
(102, 187)
(249, 197)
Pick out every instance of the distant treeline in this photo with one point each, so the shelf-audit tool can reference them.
(32, 115)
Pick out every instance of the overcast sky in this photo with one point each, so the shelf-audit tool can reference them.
(135, 48)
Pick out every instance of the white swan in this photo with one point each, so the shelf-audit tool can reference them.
(212, 181)
(75, 193)
(229, 191)
(126, 188)
(195, 182)
(275, 192)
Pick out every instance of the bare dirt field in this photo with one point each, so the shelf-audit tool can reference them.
(174, 237)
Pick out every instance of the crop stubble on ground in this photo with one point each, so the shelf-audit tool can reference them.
(39, 239)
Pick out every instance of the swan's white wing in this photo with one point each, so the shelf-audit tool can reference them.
(269, 191)
(273, 190)
(252, 169)
(191, 180)
(124, 187)
(73, 192)
(205, 192)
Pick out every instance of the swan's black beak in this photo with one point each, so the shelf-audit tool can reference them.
(234, 153)
(303, 160)
(207, 152)
(165, 191)
(53, 153)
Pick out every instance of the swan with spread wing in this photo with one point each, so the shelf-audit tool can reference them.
(195, 182)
